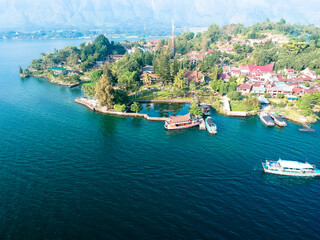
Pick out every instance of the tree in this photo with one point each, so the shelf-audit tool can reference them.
(119, 107)
(136, 107)
(20, 70)
(195, 109)
(175, 66)
(95, 75)
(215, 74)
(127, 80)
(192, 86)
(307, 84)
(178, 80)
(89, 90)
(147, 79)
(104, 92)
(234, 95)
(252, 103)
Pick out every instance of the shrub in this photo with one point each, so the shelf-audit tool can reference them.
(234, 95)
(119, 107)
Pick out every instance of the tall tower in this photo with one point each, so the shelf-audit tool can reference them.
(172, 38)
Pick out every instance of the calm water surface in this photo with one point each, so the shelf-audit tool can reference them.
(69, 173)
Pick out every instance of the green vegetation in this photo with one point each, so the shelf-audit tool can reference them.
(119, 107)
(234, 95)
(104, 92)
(136, 107)
(247, 105)
(195, 110)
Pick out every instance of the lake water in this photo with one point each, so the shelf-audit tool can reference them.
(69, 173)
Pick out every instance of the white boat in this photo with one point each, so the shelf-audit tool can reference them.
(278, 120)
(266, 119)
(211, 125)
(290, 168)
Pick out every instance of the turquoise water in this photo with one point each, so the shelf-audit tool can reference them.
(69, 173)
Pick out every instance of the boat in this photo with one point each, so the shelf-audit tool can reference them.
(180, 122)
(211, 125)
(278, 120)
(266, 119)
(306, 128)
(290, 168)
(205, 109)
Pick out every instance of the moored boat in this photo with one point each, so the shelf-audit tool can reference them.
(180, 122)
(306, 128)
(278, 120)
(205, 109)
(290, 168)
(266, 119)
(211, 125)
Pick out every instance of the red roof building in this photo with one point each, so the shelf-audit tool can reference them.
(266, 68)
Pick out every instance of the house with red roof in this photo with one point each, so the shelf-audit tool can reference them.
(154, 77)
(244, 88)
(194, 76)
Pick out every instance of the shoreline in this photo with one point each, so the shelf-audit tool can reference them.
(92, 105)
(53, 81)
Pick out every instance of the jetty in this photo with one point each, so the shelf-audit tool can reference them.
(93, 105)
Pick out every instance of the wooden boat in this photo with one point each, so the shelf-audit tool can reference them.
(306, 128)
(290, 168)
(211, 125)
(180, 122)
(278, 120)
(266, 119)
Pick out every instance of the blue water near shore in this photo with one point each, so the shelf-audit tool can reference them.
(69, 173)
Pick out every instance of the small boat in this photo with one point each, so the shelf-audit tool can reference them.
(266, 119)
(180, 122)
(211, 125)
(306, 128)
(290, 168)
(278, 120)
(205, 109)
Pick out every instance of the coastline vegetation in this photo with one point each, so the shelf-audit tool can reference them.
(115, 82)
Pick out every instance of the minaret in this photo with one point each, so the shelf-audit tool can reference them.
(172, 50)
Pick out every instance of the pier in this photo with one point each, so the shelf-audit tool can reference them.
(92, 105)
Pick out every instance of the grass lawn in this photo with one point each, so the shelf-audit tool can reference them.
(237, 106)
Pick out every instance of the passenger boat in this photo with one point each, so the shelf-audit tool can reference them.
(205, 109)
(180, 122)
(278, 120)
(266, 119)
(211, 125)
(290, 168)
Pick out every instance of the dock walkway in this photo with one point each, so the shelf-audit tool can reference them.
(92, 105)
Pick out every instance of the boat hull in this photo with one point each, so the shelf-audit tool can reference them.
(211, 130)
(181, 127)
(315, 173)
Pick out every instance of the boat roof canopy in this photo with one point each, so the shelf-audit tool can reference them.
(294, 164)
(210, 120)
(183, 118)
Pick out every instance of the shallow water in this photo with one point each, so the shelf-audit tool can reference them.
(69, 173)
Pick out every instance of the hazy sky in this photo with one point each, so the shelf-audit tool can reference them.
(95, 13)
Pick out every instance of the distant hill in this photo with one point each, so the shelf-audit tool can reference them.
(61, 14)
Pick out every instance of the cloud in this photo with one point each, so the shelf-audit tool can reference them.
(103, 13)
